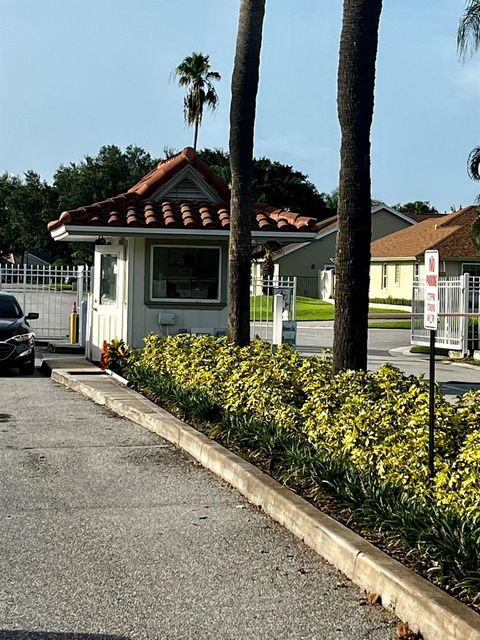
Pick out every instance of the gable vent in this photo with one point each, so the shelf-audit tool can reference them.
(186, 189)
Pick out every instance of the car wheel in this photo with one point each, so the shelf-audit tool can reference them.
(28, 368)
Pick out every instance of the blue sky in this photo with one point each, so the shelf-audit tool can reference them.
(77, 74)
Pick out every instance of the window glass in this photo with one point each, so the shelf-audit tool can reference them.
(384, 276)
(397, 274)
(108, 279)
(472, 268)
(9, 308)
(185, 272)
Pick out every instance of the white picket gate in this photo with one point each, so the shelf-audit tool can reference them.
(49, 291)
(459, 313)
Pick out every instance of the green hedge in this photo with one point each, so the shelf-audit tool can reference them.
(402, 301)
(362, 436)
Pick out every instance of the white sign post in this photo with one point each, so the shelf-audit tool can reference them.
(430, 321)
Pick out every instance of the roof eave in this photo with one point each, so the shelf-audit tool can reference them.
(78, 233)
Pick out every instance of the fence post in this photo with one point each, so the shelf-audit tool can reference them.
(277, 318)
(465, 279)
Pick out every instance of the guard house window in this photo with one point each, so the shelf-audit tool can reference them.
(384, 276)
(108, 279)
(186, 273)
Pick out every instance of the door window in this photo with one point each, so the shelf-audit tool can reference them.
(108, 278)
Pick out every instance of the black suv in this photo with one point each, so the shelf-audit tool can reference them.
(17, 339)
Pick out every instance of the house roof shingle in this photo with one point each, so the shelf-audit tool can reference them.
(137, 209)
(451, 236)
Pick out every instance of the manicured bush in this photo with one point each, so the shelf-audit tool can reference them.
(361, 436)
(400, 301)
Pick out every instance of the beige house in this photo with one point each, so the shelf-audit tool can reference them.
(308, 260)
(398, 258)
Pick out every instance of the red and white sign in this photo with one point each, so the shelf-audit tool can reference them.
(430, 316)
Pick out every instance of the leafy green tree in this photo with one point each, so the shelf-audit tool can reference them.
(110, 172)
(419, 206)
(26, 206)
(356, 86)
(195, 74)
(274, 183)
(242, 122)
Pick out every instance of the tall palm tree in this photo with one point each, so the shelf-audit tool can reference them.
(355, 98)
(195, 74)
(242, 120)
(468, 34)
(468, 41)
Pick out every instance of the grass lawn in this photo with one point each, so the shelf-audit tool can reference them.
(307, 309)
(389, 324)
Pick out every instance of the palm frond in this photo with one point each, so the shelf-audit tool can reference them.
(474, 164)
(468, 34)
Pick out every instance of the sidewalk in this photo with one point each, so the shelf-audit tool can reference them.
(108, 529)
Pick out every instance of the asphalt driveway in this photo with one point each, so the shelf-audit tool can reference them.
(106, 529)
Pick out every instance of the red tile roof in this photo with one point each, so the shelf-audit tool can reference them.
(451, 235)
(136, 209)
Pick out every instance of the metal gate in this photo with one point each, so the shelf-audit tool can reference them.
(262, 300)
(459, 313)
(49, 291)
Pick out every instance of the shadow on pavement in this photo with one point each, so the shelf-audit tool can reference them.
(23, 634)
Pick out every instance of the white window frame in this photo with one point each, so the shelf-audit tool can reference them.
(398, 273)
(384, 278)
(187, 300)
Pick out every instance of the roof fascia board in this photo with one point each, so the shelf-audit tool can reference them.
(291, 250)
(395, 259)
(69, 232)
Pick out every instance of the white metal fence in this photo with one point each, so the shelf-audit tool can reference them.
(459, 313)
(262, 304)
(50, 292)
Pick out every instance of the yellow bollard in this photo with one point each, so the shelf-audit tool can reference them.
(74, 325)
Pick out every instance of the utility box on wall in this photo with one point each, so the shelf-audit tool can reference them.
(166, 318)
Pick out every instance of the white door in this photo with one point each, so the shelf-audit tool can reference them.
(108, 298)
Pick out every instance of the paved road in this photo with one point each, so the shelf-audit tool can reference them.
(107, 529)
(384, 345)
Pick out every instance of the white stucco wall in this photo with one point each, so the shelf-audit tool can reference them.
(143, 314)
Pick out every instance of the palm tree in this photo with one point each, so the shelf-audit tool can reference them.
(468, 41)
(242, 121)
(195, 74)
(356, 84)
(468, 34)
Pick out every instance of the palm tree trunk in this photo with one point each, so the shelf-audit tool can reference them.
(356, 84)
(195, 135)
(242, 120)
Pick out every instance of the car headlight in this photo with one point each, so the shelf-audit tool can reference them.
(22, 337)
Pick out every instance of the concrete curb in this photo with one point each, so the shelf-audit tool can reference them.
(426, 608)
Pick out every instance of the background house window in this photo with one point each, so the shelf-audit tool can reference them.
(189, 273)
(384, 276)
(472, 268)
(108, 278)
(397, 274)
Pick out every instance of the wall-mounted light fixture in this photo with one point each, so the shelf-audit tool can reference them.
(101, 242)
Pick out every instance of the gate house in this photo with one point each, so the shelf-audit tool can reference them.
(161, 251)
